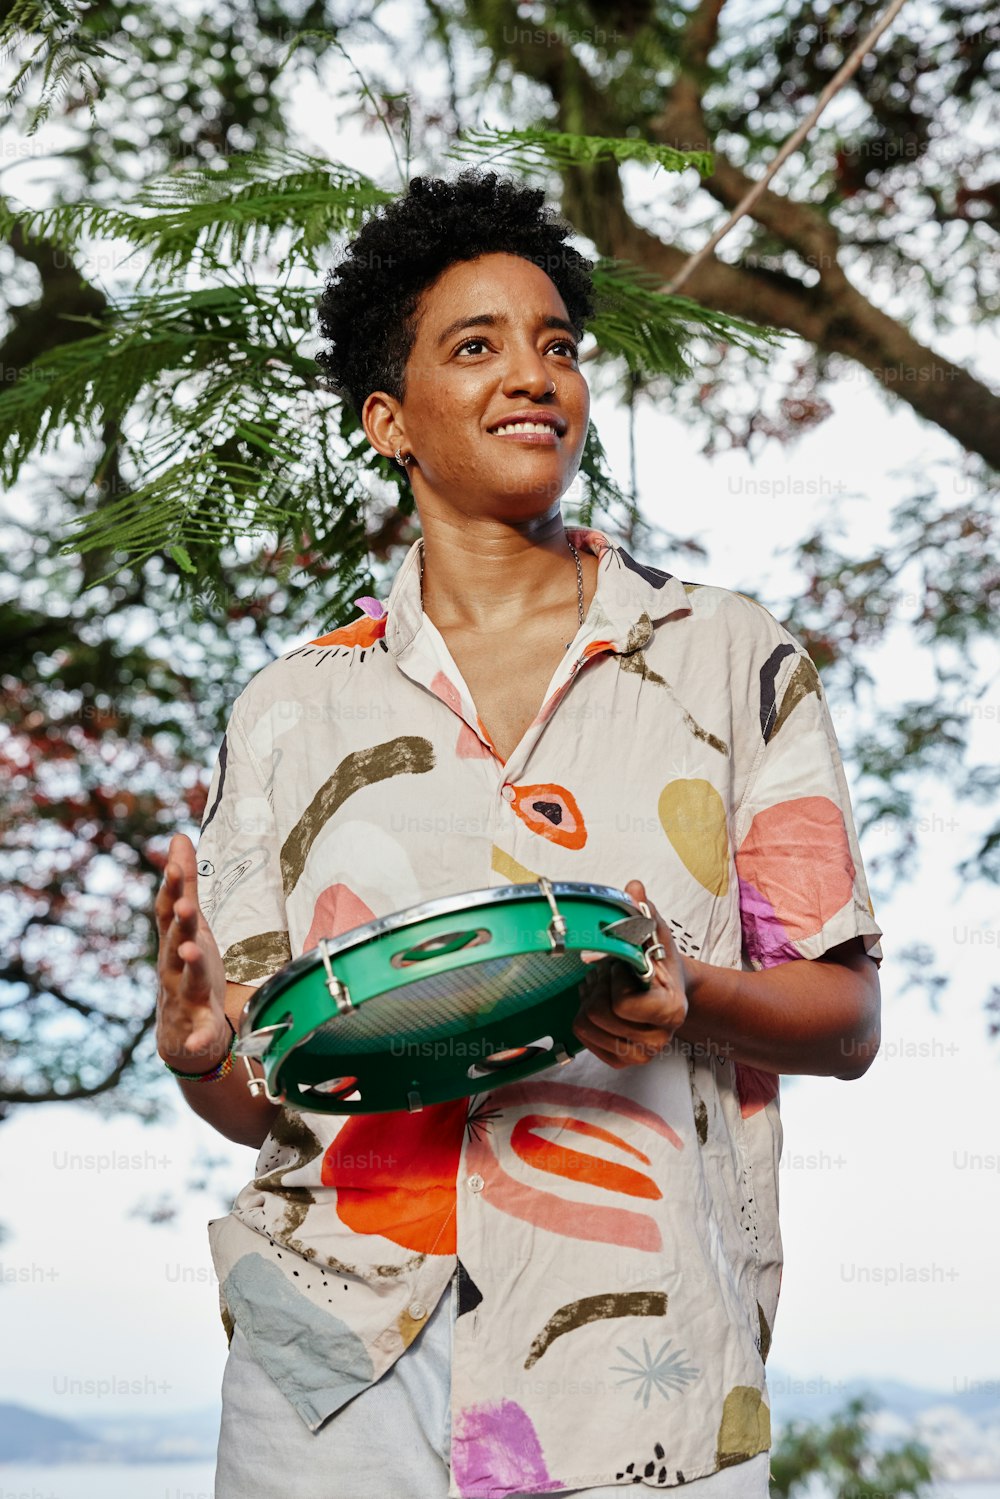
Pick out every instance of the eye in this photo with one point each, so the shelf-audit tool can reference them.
(468, 341)
(566, 343)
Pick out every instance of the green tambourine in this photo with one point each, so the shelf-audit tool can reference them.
(441, 1000)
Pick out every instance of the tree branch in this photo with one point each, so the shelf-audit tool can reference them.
(10, 1096)
(42, 324)
(833, 315)
(17, 972)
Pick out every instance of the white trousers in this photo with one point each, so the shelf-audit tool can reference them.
(392, 1441)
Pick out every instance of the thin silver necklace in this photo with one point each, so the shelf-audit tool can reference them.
(579, 581)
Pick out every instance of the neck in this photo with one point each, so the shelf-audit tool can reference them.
(485, 577)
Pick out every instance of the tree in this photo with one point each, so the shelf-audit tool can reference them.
(105, 744)
(901, 158)
(140, 376)
(843, 1453)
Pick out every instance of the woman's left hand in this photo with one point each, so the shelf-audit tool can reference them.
(621, 1022)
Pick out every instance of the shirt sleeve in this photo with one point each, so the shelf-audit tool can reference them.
(802, 885)
(239, 880)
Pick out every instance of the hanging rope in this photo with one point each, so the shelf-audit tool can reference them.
(846, 71)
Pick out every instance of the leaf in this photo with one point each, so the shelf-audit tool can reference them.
(653, 332)
(527, 149)
(219, 214)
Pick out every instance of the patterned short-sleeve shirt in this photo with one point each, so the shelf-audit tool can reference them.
(614, 1231)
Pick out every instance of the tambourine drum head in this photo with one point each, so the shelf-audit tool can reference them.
(491, 991)
(438, 1002)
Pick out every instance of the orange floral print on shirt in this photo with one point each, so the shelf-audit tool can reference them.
(395, 1175)
(363, 632)
(552, 812)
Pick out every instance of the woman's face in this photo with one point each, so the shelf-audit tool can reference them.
(493, 341)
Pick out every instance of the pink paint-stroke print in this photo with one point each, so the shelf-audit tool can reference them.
(559, 1215)
(755, 1089)
(585, 538)
(443, 687)
(495, 1449)
(572, 1095)
(797, 855)
(764, 936)
(374, 608)
(594, 1222)
(469, 746)
(337, 910)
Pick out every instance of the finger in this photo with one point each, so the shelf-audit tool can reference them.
(169, 964)
(603, 1054)
(180, 874)
(171, 888)
(657, 1008)
(174, 910)
(625, 1013)
(669, 971)
(183, 928)
(636, 891)
(177, 952)
(181, 851)
(195, 985)
(164, 902)
(197, 1014)
(670, 1012)
(186, 915)
(623, 1049)
(607, 1057)
(620, 1053)
(610, 1025)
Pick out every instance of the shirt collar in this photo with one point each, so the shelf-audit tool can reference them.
(631, 596)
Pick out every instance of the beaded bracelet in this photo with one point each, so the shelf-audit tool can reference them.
(214, 1074)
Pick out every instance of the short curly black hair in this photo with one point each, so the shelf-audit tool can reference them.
(366, 311)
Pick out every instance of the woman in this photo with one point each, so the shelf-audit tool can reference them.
(569, 1283)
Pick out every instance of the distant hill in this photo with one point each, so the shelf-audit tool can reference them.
(960, 1427)
(27, 1436)
(794, 1399)
(30, 1436)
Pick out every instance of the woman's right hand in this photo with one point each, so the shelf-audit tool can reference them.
(192, 1032)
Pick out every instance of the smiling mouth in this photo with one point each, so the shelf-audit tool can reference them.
(535, 430)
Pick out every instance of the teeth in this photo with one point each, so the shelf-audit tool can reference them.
(524, 427)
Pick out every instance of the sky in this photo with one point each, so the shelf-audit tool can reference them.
(887, 1183)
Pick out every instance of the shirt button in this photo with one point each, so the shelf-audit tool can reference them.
(417, 1311)
(476, 1183)
(507, 792)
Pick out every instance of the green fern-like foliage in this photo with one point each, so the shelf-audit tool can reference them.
(205, 396)
(214, 216)
(63, 53)
(654, 333)
(526, 150)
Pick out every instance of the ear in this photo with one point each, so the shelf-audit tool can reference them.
(381, 417)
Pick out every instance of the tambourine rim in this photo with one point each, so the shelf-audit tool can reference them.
(442, 905)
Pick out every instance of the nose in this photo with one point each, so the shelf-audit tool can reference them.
(525, 372)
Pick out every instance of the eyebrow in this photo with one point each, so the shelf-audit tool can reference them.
(491, 320)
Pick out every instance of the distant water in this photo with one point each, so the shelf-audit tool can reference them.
(110, 1481)
(974, 1488)
(195, 1481)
